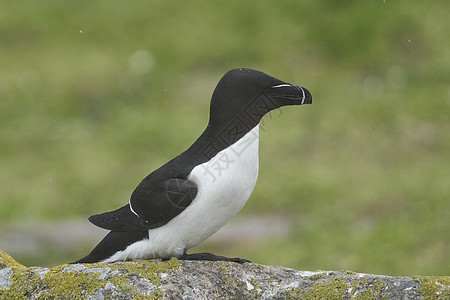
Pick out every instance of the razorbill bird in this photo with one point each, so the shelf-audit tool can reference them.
(192, 196)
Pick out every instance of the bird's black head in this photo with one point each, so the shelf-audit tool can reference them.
(245, 96)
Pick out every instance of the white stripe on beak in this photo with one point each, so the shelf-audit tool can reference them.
(281, 85)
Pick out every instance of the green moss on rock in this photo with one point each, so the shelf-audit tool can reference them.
(333, 289)
(433, 287)
(366, 289)
(7, 261)
(72, 284)
(83, 281)
(147, 271)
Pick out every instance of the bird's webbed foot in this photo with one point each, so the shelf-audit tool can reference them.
(212, 257)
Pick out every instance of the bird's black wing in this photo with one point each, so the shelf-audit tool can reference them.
(153, 205)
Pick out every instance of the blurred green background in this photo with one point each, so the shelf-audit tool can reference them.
(96, 94)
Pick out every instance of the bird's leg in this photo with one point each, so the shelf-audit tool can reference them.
(212, 257)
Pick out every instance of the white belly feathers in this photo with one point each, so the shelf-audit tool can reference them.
(224, 185)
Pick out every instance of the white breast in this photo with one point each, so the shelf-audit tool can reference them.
(224, 185)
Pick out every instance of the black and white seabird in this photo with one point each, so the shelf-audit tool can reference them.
(192, 196)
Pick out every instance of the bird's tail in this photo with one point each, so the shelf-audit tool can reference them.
(88, 259)
(113, 242)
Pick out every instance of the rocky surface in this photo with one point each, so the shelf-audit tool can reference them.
(175, 279)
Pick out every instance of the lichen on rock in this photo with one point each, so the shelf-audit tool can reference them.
(174, 279)
(124, 280)
(7, 261)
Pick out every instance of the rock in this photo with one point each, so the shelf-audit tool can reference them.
(176, 279)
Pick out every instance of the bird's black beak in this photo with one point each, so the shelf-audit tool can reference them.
(294, 94)
(304, 96)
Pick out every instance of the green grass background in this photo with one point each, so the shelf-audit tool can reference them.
(96, 94)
